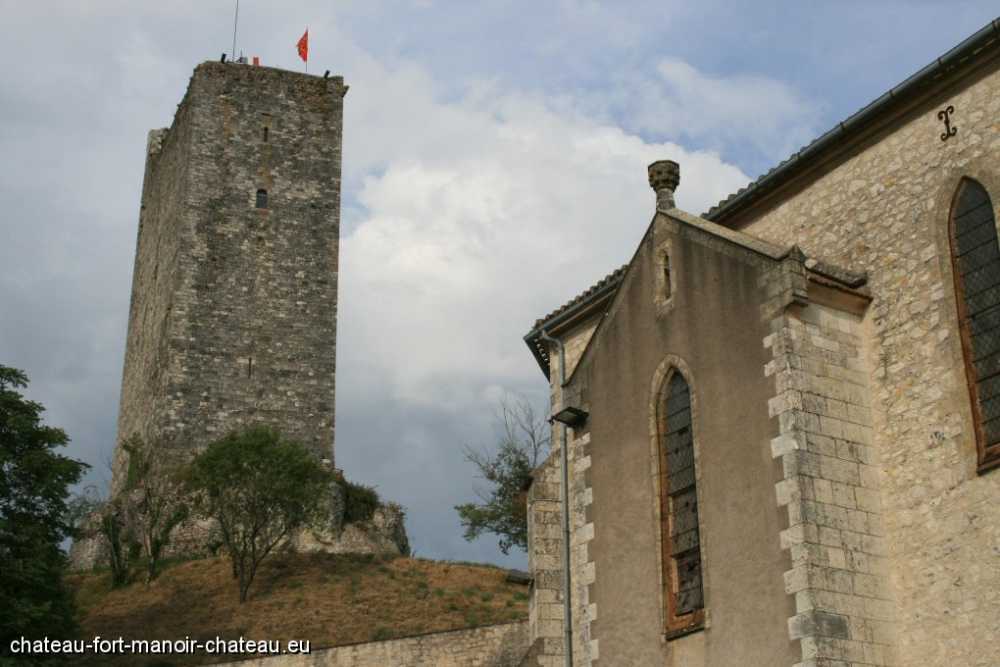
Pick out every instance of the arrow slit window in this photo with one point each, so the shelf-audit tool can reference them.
(976, 266)
(683, 595)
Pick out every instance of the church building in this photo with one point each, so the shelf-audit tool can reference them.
(782, 417)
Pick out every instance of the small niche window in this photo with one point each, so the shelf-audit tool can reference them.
(262, 198)
(663, 288)
(266, 127)
(666, 276)
(976, 262)
(683, 596)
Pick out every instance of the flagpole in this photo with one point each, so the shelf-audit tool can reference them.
(307, 53)
(235, 20)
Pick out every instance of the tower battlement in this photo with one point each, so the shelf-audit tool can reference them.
(233, 313)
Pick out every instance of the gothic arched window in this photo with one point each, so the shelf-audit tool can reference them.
(262, 198)
(681, 553)
(976, 261)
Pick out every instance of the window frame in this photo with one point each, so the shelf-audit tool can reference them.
(675, 625)
(987, 454)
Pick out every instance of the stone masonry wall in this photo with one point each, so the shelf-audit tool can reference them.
(884, 210)
(545, 539)
(545, 608)
(491, 646)
(154, 279)
(582, 565)
(839, 574)
(545, 555)
(233, 316)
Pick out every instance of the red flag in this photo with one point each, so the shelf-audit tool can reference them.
(304, 46)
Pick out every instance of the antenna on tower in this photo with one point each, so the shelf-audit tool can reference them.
(236, 19)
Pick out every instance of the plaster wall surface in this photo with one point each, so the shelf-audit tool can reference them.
(576, 340)
(884, 209)
(710, 328)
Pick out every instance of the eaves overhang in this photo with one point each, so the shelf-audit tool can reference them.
(576, 310)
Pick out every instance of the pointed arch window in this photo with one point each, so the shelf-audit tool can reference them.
(261, 198)
(976, 261)
(683, 595)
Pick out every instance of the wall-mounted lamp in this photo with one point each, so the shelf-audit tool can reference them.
(571, 416)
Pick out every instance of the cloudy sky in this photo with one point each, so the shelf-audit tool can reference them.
(494, 161)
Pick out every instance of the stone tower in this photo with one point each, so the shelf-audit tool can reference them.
(233, 316)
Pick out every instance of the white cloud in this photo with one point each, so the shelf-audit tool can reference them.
(734, 112)
(758, 108)
(484, 213)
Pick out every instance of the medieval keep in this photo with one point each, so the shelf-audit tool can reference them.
(233, 317)
(785, 440)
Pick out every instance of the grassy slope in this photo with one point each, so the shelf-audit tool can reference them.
(329, 600)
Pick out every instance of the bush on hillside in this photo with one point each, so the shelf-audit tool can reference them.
(360, 501)
(260, 488)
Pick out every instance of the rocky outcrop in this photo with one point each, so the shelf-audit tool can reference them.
(384, 533)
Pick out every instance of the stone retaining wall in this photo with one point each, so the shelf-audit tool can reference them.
(491, 646)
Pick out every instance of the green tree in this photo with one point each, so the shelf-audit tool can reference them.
(96, 516)
(113, 524)
(260, 488)
(153, 501)
(34, 485)
(502, 509)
